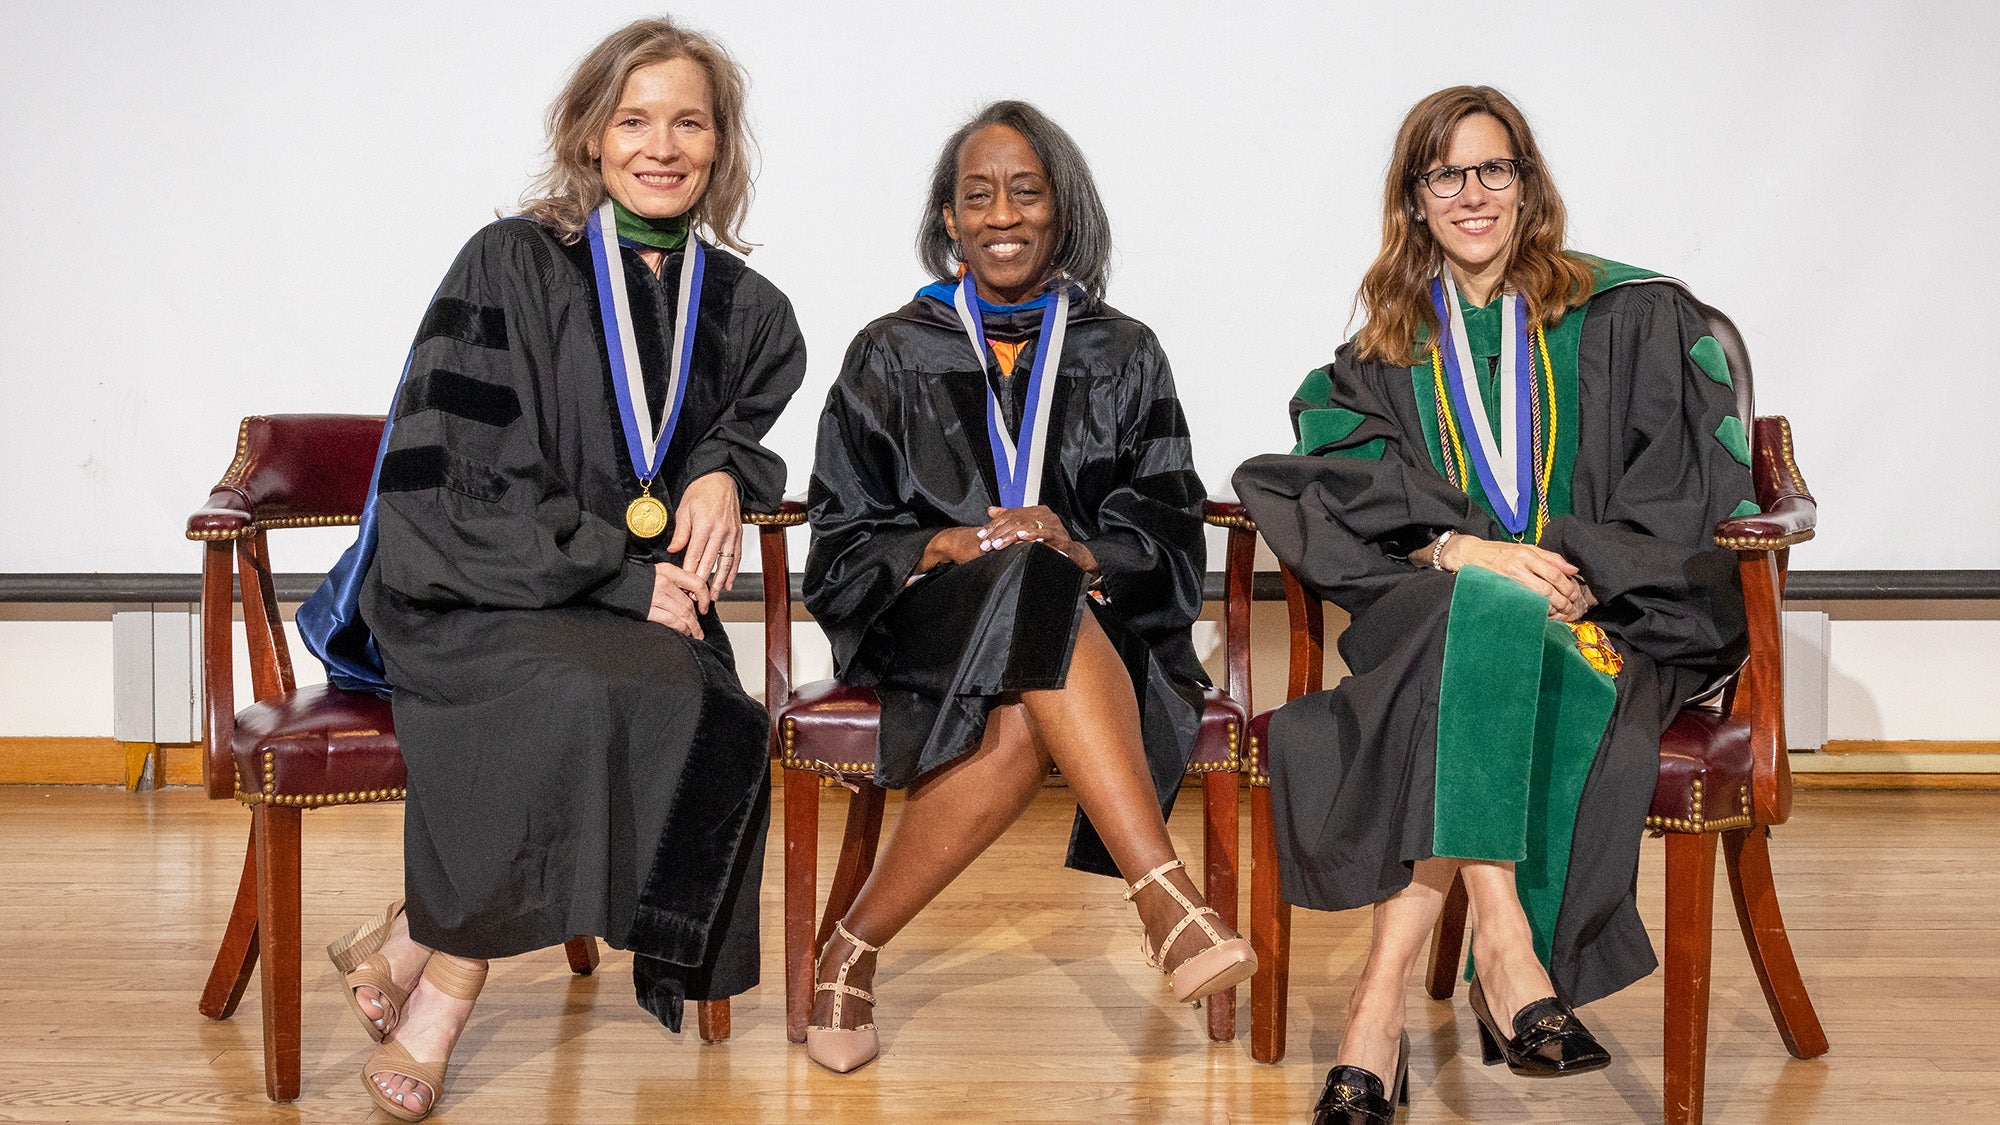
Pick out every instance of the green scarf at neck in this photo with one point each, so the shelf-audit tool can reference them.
(661, 234)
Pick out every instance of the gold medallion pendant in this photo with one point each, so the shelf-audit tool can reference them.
(647, 517)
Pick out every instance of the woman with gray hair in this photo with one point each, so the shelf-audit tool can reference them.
(558, 508)
(1007, 545)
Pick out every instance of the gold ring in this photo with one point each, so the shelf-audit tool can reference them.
(1038, 525)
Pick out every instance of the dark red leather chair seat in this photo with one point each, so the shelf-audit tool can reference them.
(318, 746)
(831, 723)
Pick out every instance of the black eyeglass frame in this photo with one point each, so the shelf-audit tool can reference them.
(1514, 166)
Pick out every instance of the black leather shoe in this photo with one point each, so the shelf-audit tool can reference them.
(1354, 1096)
(1548, 1040)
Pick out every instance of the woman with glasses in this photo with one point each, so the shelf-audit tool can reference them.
(1508, 480)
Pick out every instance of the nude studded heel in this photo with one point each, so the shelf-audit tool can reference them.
(454, 977)
(1226, 963)
(840, 1048)
(355, 955)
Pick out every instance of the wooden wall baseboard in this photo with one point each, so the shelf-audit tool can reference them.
(1856, 747)
(96, 761)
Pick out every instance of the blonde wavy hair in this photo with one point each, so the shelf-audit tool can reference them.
(572, 186)
(1396, 293)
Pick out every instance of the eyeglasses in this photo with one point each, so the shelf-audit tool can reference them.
(1449, 180)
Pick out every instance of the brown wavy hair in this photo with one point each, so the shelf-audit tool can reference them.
(1396, 289)
(572, 186)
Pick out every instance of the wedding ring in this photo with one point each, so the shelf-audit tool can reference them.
(1038, 525)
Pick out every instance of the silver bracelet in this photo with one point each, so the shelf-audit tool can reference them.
(1437, 550)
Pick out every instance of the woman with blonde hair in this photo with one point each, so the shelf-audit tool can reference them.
(1508, 479)
(556, 510)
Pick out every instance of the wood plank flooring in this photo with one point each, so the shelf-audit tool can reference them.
(1019, 996)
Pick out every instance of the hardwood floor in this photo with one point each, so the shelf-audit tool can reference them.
(1019, 996)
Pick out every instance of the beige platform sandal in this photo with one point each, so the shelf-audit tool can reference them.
(455, 977)
(840, 1048)
(355, 955)
(1226, 963)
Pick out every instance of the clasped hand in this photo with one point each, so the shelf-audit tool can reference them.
(1006, 527)
(1544, 572)
(708, 525)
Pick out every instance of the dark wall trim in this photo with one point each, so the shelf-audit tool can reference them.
(1805, 585)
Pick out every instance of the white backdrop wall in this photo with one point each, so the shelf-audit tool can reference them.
(214, 209)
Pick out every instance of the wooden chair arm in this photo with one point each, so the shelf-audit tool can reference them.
(218, 670)
(1239, 578)
(1307, 614)
(777, 568)
(1758, 700)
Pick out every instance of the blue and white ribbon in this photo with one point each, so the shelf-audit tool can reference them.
(646, 447)
(1019, 471)
(1504, 461)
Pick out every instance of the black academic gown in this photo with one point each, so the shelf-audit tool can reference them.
(573, 768)
(1353, 769)
(903, 454)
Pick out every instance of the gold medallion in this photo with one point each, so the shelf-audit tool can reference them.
(647, 517)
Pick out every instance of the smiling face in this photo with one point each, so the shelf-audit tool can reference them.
(1476, 227)
(659, 147)
(1003, 215)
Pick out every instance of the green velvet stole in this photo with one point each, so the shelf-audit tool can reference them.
(1520, 717)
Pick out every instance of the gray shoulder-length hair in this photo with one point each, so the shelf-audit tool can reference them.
(1083, 240)
(572, 186)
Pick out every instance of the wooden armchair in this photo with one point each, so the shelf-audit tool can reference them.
(300, 748)
(826, 736)
(1723, 776)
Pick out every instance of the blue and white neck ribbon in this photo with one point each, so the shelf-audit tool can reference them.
(1504, 461)
(646, 447)
(1019, 470)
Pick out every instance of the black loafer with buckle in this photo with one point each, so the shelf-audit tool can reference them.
(1548, 1040)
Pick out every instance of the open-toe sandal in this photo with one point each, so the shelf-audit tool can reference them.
(357, 954)
(454, 977)
(1226, 963)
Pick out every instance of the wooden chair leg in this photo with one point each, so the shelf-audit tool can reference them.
(1690, 922)
(1746, 855)
(801, 895)
(583, 955)
(712, 1020)
(1270, 935)
(277, 835)
(237, 956)
(1448, 943)
(1220, 858)
(858, 844)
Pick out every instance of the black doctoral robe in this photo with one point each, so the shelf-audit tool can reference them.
(1650, 458)
(573, 768)
(903, 454)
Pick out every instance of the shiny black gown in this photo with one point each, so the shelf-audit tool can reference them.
(903, 454)
(573, 768)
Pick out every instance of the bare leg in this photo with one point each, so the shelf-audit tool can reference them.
(950, 816)
(1090, 728)
(1378, 1009)
(1502, 945)
(430, 1029)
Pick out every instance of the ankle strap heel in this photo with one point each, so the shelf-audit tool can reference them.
(1226, 963)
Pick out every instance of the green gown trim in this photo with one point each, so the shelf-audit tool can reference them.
(1520, 717)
